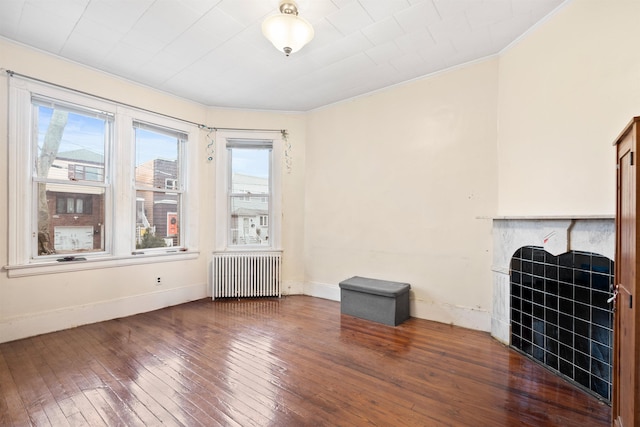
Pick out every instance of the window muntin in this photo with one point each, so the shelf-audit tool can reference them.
(158, 166)
(249, 192)
(68, 138)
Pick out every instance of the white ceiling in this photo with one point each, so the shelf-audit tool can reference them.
(213, 51)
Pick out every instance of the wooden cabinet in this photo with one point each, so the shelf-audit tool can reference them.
(626, 360)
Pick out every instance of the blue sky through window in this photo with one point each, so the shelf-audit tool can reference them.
(153, 145)
(250, 161)
(80, 133)
(83, 132)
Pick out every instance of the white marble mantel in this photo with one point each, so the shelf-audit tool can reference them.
(562, 234)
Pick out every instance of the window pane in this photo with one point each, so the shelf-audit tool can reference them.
(157, 219)
(70, 219)
(61, 205)
(250, 170)
(171, 184)
(157, 167)
(249, 198)
(157, 159)
(249, 220)
(70, 145)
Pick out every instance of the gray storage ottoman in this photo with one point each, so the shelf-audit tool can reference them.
(380, 301)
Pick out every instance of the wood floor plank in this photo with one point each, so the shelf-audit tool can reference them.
(115, 332)
(171, 394)
(12, 409)
(251, 359)
(294, 361)
(249, 374)
(30, 386)
(127, 404)
(93, 392)
(64, 376)
(247, 368)
(147, 403)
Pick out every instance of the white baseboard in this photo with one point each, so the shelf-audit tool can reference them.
(322, 290)
(429, 310)
(292, 287)
(466, 317)
(69, 317)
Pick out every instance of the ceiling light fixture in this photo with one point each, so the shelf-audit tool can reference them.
(287, 31)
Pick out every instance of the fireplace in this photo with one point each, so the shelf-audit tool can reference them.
(551, 285)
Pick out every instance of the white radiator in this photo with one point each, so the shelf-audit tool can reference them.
(246, 274)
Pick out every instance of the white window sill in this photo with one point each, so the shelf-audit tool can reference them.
(54, 266)
(248, 248)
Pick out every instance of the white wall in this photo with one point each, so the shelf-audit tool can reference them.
(565, 93)
(37, 304)
(395, 184)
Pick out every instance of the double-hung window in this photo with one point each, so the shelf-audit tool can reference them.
(91, 179)
(158, 170)
(70, 190)
(248, 191)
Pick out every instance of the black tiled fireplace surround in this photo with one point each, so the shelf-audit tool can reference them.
(560, 315)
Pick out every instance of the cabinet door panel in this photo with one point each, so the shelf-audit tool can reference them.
(625, 381)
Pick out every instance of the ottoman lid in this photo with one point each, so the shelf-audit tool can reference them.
(375, 286)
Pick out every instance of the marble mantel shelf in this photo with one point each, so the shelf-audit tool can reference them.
(547, 217)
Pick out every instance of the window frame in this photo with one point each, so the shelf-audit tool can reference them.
(173, 186)
(87, 108)
(120, 211)
(223, 239)
(87, 205)
(177, 191)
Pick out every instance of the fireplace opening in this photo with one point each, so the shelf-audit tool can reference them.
(560, 316)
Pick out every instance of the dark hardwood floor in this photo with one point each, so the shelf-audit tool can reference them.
(290, 362)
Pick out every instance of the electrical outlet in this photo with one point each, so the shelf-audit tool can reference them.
(158, 281)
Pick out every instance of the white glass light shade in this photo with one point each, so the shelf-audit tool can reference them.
(288, 33)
